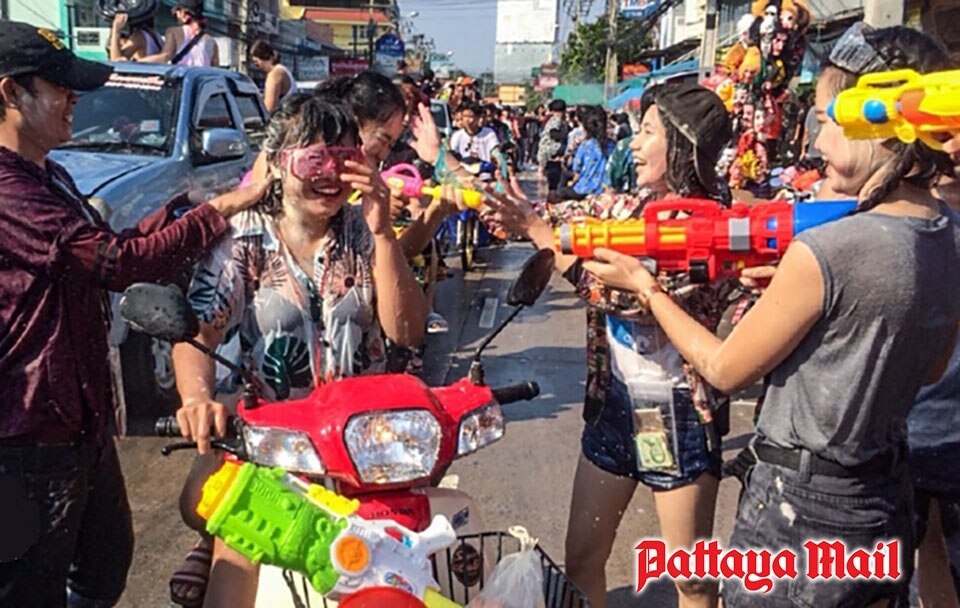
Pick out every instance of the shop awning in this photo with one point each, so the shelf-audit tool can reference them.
(634, 88)
(579, 94)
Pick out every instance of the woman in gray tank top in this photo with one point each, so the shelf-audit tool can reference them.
(860, 314)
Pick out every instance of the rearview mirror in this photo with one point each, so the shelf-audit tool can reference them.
(223, 144)
(159, 311)
(532, 280)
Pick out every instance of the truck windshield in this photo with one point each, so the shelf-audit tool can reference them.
(131, 112)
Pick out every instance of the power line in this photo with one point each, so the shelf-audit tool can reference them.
(38, 15)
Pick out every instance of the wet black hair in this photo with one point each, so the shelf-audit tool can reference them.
(594, 121)
(261, 49)
(369, 95)
(474, 107)
(405, 79)
(917, 164)
(297, 123)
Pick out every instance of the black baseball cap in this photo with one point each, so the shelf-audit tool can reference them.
(194, 7)
(700, 116)
(28, 49)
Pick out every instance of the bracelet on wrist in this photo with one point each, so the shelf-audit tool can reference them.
(440, 166)
(648, 292)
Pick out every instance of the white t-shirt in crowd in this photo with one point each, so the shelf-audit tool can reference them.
(479, 145)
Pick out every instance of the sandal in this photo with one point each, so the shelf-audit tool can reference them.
(436, 324)
(415, 364)
(188, 585)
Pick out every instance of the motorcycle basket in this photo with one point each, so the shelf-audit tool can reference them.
(558, 590)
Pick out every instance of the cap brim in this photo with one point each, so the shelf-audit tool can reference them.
(79, 74)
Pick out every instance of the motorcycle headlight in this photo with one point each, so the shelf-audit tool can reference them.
(290, 450)
(480, 428)
(393, 447)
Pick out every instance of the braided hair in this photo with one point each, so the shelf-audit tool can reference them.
(917, 164)
(300, 121)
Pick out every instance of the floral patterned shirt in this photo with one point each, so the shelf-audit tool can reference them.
(705, 302)
(295, 331)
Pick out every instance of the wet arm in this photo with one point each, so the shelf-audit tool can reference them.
(764, 337)
(401, 304)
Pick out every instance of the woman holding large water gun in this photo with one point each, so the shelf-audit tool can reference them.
(860, 313)
(631, 364)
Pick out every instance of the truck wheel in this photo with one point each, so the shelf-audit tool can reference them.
(148, 382)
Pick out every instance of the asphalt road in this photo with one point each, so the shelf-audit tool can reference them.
(526, 478)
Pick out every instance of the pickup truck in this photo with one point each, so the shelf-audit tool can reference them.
(154, 131)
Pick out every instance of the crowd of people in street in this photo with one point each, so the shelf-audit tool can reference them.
(316, 270)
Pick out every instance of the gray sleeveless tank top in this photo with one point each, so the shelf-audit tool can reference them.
(891, 297)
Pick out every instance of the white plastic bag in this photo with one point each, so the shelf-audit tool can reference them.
(517, 581)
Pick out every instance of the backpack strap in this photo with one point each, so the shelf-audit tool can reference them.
(187, 48)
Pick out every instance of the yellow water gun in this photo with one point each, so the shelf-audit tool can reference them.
(901, 104)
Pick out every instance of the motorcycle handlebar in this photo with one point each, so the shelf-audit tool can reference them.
(167, 426)
(523, 391)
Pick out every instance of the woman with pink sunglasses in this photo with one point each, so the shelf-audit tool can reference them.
(303, 293)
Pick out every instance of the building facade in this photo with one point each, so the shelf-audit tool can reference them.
(353, 24)
(526, 37)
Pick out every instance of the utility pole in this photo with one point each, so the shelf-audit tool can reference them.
(244, 42)
(611, 72)
(708, 45)
(371, 32)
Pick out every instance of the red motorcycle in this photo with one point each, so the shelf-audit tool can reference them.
(385, 440)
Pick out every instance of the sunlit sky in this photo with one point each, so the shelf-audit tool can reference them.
(466, 27)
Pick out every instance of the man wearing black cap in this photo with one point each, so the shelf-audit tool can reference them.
(65, 529)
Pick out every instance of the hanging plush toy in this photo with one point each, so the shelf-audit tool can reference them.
(773, 117)
(750, 67)
(768, 27)
(735, 54)
(775, 67)
(757, 7)
(759, 124)
(788, 15)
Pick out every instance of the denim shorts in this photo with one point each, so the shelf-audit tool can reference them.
(779, 510)
(608, 443)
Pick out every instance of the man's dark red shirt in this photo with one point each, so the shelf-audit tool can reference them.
(58, 259)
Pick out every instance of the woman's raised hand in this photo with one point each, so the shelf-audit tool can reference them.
(512, 210)
(375, 196)
(425, 138)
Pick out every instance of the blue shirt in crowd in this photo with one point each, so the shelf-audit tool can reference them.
(589, 163)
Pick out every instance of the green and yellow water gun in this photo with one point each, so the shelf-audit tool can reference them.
(275, 518)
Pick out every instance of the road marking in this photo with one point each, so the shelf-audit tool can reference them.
(489, 313)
